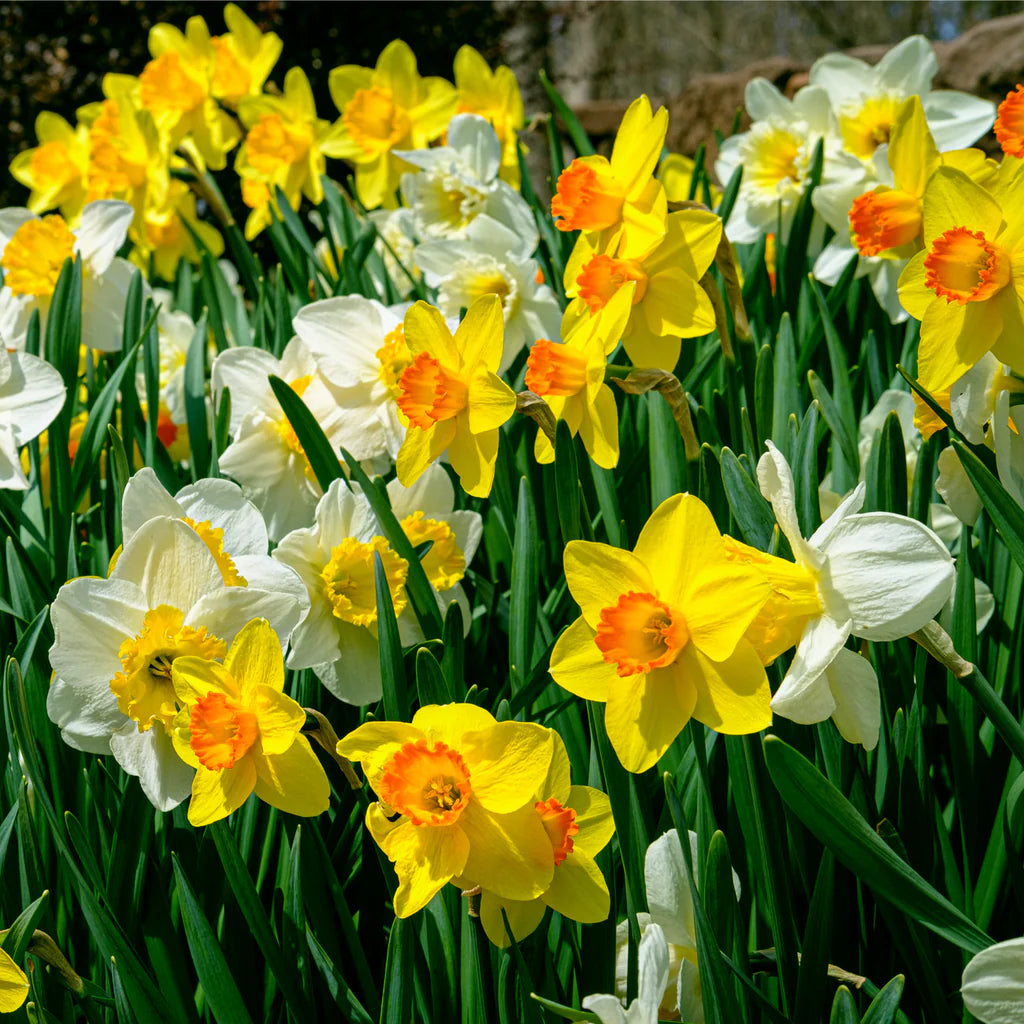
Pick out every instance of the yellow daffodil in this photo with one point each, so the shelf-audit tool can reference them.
(570, 379)
(241, 733)
(457, 792)
(54, 169)
(1009, 126)
(386, 108)
(163, 237)
(241, 59)
(495, 96)
(608, 198)
(13, 984)
(668, 302)
(451, 395)
(676, 172)
(660, 638)
(578, 821)
(282, 147)
(967, 285)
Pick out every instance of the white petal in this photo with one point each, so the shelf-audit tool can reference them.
(432, 494)
(653, 979)
(342, 513)
(833, 260)
(151, 756)
(908, 68)
(884, 276)
(688, 993)
(890, 574)
(226, 611)
(607, 1009)
(244, 371)
(344, 334)
(31, 396)
(850, 504)
(145, 498)
(957, 119)
(315, 640)
(222, 504)
(668, 888)
(12, 218)
(956, 489)
(841, 76)
(804, 695)
(477, 145)
(354, 677)
(102, 232)
(12, 474)
(775, 479)
(84, 728)
(103, 302)
(854, 686)
(993, 983)
(170, 564)
(763, 100)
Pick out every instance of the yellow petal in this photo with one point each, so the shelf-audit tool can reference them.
(557, 783)
(280, 719)
(678, 542)
(426, 331)
(691, 241)
(480, 338)
(599, 430)
(647, 349)
(722, 602)
(578, 890)
(396, 70)
(450, 722)
(374, 743)
(507, 762)
(14, 985)
(345, 81)
(193, 678)
(646, 712)
(638, 144)
(577, 664)
(598, 573)
(215, 795)
(523, 917)
(676, 304)
(380, 825)
(594, 818)
(952, 200)
(915, 295)
(733, 696)
(418, 451)
(509, 854)
(912, 151)
(473, 456)
(295, 781)
(491, 402)
(373, 177)
(953, 338)
(255, 658)
(425, 859)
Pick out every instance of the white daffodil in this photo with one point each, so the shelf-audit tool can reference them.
(1008, 438)
(34, 250)
(776, 156)
(266, 457)
(867, 99)
(653, 978)
(492, 259)
(425, 511)
(993, 983)
(671, 909)
(359, 347)
(337, 638)
(230, 526)
(459, 181)
(31, 394)
(116, 638)
(396, 247)
(877, 576)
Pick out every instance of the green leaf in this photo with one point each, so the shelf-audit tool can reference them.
(323, 460)
(844, 1009)
(885, 1005)
(751, 511)
(833, 820)
(341, 995)
(786, 398)
(567, 483)
(845, 467)
(812, 978)
(431, 685)
(1006, 514)
(195, 401)
(580, 141)
(523, 598)
(214, 974)
(396, 1007)
(392, 667)
(565, 1012)
(19, 932)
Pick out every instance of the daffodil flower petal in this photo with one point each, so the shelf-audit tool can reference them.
(854, 686)
(523, 917)
(294, 781)
(598, 573)
(578, 890)
(804, 695)
(425, 859)
(509, 854)
(577, 664)
(732, 695)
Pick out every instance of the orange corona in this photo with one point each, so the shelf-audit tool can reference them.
(560, 824)
(881, 220)
(640, 633)
(429, 392)
(964, 266)
(222, 731)
(555, 370)
(427, 782)
(1009, 126)
(603, 276)
(586, 200)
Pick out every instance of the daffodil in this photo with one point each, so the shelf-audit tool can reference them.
(32, 393)
(383, 109)
(882, 227)
(116, 639)
(1009, 126)
(241, 732)
(867, 99)
(164, 235)
(578, 821)
(462, 786)
(676, 173)
(570, 378)
(55, 168)
(967, 285)
(653, 979)
(33, 252)
(877, 576)
(451, 395)
(660, 638)
(618, 200)
(668, 301)
(492, 259)
(360, 350)
(241, 58)
(459, 182)
(993, 983)
(14, 986)
(265, 455)
(495, 96)
(283, 147)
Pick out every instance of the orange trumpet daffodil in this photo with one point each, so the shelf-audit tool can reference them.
(241, 733)
(451, 394)
(661, 635)
(967, 285)
(457, 792)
